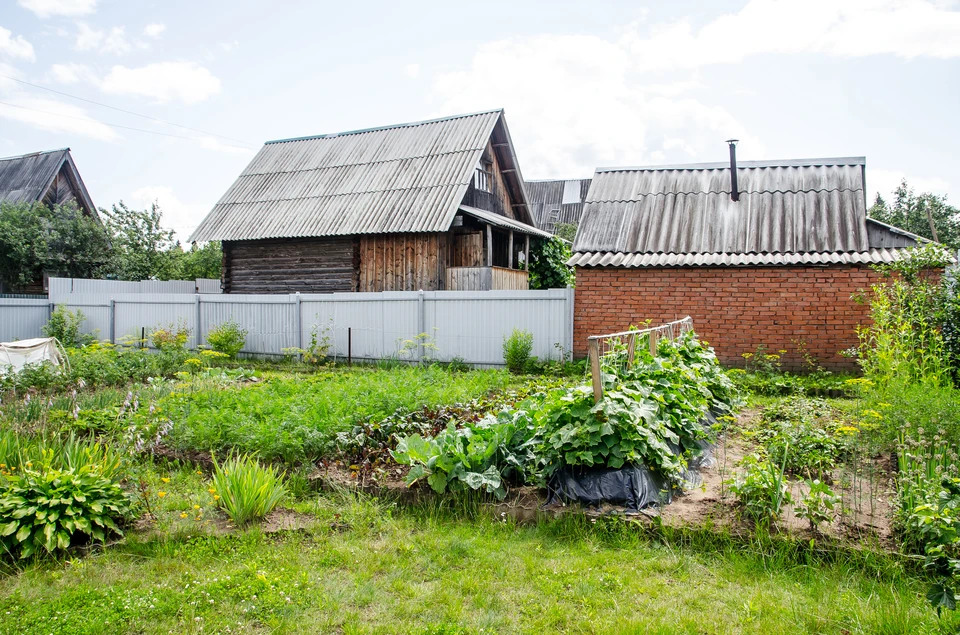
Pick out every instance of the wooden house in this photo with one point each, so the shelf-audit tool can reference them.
(50, 178)
(428, 205)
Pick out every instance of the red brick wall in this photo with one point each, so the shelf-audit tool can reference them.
(735, 309)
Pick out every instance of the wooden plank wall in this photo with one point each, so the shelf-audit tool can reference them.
(498, 199)
(403, 262)
(313, 265)
(509, 280)
(466, 250)
(468, 279)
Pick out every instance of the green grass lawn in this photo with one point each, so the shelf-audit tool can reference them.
(361, 566)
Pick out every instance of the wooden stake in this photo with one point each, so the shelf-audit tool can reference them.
(654, 336)
(631, 348)
(594, 348)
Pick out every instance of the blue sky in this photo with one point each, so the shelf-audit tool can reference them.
(583, 84)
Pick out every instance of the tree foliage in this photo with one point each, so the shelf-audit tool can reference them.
(141, 246)
(909, 211)
(61, 240)
(548, 265)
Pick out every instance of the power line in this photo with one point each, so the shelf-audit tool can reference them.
(114, 125)
(129, 112)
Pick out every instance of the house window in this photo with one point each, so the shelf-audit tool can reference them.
(481, 180)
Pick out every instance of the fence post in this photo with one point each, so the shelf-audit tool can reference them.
(594, 347)
(113, 321)
(50, 309)
(631, 348)
(199, 323)
(299, 302)
(654, 336)
(420, 325)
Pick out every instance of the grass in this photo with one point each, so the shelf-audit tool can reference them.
(294, 418)
(362, 566)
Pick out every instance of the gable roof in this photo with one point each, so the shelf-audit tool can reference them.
(566, 196)
(403, 178)
(794, 211)
(27, 178)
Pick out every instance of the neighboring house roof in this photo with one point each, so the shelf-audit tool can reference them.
(810, 211)
(28, 179)
(404, 178)
(556, 201)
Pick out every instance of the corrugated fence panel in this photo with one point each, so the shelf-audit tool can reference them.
(473, 325)
(208, 285)
(271, 321)
(377, 323)
(22, 319)
(470, 325)
(60, 289)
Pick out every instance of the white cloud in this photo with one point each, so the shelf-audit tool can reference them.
(228, 147)
(229, 47)
(599, 111)
(412, 70)
(48, 8)
(163, 81)
(856, 28)
(15, 47)
(72, 73)
(113, 41)
(55, 116)
(154, 29)
(182, 217)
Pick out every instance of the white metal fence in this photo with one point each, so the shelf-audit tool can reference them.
(469, 325)
(59, 288)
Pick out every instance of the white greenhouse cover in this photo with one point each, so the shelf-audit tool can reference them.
(15, 355)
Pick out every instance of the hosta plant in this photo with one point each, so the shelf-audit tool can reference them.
(247, 490)
(44, 509)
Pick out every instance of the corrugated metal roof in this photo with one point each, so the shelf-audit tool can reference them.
(26, 178)
(785, 207)
(564, 196)
(503, 221)
(609, 259)
(404, 178)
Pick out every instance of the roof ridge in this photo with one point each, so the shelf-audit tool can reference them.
(410, 124)
(378, 162)
(33, 154)
(714, 192)
(721, 165)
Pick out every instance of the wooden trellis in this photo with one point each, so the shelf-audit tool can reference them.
(600, 345)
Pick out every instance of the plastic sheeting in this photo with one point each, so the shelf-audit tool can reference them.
(635, 487)
(15, 355)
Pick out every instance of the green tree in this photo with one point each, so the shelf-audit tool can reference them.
(61, 240)
(198, 262)
(548, 265)
(567, 231)
(142, 248)
(912, 212)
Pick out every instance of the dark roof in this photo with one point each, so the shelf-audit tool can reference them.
(557, 201)
(404, 178)
(809, 211)
(492, 218)
(27, 178)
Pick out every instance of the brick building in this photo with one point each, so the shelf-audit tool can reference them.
(774, 256)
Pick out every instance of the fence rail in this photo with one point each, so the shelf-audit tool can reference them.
(468, 325)
(600, 346)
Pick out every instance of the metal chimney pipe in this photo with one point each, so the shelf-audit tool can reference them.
(734, 191)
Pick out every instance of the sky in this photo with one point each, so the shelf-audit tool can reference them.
(186, 92)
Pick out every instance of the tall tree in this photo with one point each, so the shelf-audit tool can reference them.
(200, 261)
(913, 212)
(142, 248)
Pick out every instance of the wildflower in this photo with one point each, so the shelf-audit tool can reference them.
(746, 355)
(161, 494)
(216, 497)
(884, 405)
(165, 479)
(212, 491)
(199, 472)
(872, 413)
(183, 514)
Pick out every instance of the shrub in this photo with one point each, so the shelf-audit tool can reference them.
(172, 338)
(65, 325)
(761, 489)
(228, 338)
(248, 490)
(47, 509)
(516, 350)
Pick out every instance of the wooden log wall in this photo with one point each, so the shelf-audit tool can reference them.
(403, 262)
(313, 265)
(509, 279)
